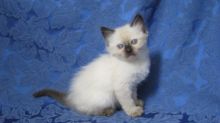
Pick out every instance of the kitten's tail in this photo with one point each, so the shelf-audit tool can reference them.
(59, 96)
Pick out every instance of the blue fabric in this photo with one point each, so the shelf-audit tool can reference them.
(44, 42)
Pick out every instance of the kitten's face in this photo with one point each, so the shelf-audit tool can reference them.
(128, 41)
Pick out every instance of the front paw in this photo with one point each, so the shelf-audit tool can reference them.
(135, 111)
(139, 102)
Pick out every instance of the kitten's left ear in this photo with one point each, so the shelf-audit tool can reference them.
(139, 22)
(106, 32)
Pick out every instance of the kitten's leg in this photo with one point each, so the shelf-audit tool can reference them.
(108, 111)
(124, 96)
(138, 102)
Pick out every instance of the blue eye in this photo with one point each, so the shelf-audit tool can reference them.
(120, 46)
(134, 41)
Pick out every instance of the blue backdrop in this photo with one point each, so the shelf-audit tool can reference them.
(44, 42)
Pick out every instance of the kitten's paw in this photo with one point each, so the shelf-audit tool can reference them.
(140, 103)
(108, 112)
(136, 111)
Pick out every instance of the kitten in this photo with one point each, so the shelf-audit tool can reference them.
(111, 80)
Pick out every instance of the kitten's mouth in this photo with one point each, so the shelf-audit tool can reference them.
(130, 55)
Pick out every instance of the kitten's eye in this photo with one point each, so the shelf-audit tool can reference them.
(120, 46)
(134, 41)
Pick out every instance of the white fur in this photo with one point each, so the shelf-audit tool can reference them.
(111, 80)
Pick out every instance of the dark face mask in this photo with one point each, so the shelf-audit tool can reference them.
(128, 48)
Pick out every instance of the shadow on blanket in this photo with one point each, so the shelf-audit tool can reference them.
(150, 85)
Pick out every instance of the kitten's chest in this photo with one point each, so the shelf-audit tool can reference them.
(133, 73)
(139, 73)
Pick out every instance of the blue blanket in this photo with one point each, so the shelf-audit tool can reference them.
(44, 42)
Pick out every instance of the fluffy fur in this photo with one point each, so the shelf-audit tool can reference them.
(111, 80)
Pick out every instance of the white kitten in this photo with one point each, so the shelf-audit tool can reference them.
(111, 80)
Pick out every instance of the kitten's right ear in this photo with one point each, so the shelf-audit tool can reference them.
(138, 21)
(106, 32)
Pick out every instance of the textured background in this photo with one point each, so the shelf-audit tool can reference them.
(44, 42)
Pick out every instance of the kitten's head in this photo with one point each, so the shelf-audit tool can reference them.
(126, 42)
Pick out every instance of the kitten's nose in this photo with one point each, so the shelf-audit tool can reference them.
(128, 49)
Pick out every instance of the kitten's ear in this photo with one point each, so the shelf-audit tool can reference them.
(139, 22)
(106, 32)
